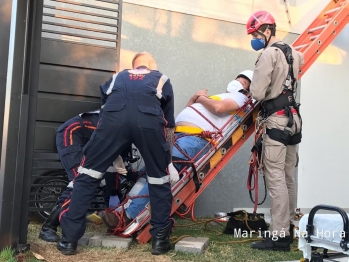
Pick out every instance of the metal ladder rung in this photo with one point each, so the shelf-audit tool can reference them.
(301, 46)
(313, 37)
(332, 11)
(316, 28)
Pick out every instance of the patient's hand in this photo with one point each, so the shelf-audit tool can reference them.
(201, 93)
(196, 95)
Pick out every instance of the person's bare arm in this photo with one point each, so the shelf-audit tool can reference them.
(218, 106)
(194, 98)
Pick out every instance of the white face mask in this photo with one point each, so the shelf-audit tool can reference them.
(234, 86)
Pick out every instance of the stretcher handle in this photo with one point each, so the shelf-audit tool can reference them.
(310, 226)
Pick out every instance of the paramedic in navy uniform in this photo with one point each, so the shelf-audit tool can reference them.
(135, 112)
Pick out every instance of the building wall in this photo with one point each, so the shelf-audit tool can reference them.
(323, 174)
(291, 15)
(196, 53)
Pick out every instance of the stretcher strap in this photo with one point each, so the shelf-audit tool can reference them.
(195, 174)
(121, 216)
(204, 117)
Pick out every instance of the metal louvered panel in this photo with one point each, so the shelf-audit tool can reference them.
(79, 51)
(92, 22)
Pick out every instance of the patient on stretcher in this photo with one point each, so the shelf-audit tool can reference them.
(203, 113)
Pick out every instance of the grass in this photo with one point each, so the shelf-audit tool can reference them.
(221, 247)
(225, 247)
(7, 255)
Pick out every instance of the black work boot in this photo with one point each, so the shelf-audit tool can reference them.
(161, 241)
(281, 244)
(48, 231)
(291, 233)
(67, 248)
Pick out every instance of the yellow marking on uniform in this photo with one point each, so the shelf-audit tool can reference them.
(215, 158)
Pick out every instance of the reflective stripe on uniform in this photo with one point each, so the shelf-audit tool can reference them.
(111, 169)
(103, 183)
(90, 172)
(70, 185)
(111, 84)
(161, 83)
(158, 180)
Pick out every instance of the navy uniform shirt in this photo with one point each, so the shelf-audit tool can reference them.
(152, 82)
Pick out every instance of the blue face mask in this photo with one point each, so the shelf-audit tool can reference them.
(257, 43)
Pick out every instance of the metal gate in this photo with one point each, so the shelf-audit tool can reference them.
(79, 51)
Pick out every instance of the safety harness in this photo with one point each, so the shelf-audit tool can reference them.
(286, 102)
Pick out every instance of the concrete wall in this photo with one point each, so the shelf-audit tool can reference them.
(323, 170)
(196, 53)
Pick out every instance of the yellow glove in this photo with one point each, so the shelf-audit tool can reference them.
(119, 166)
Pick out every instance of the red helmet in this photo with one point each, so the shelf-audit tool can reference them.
(257, 19)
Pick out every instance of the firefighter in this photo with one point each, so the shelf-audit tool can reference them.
(135, 111)
(274, 83)
(71, 137)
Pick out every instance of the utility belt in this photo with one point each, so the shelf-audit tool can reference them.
(284, 104)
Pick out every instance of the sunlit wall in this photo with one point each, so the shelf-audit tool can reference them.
(198, 46)
(322, 173)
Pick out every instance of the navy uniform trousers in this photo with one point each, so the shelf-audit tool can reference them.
(129, 117)
(71, 137)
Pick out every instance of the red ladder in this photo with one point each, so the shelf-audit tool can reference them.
(321, 32)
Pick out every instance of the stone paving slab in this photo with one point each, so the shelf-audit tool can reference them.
(118, 242)
(195, 245)
(104, 240)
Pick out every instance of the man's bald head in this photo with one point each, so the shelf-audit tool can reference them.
(144, 59)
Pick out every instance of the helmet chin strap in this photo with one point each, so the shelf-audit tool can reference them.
(266, 41)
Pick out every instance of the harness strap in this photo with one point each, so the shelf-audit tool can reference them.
(195, 173)
(282, 136)
(285, 99)
(287, 50)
